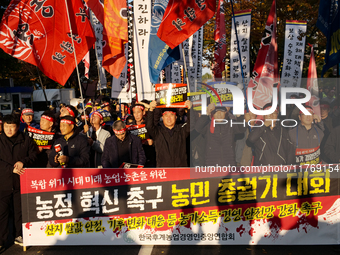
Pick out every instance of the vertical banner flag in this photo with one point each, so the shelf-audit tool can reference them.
(243, 24)
(160, 54)
(329, 24)
(116, 35)
(26, 33)
(121, 86)
(199, 55)
(294, 53)
(183, 18)
(176, 73)
(312, 85)
(131, 64)
(112, 14)
(265, 73)
(98, 29)
(142, 24)
(220, 41)
(192, 68)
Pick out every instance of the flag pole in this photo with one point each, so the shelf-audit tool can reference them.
(42, 86)
(239, 53)
(75, 59)
(185, 68)
(95, 49)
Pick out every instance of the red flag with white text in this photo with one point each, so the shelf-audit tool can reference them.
(265, 75)
(181, 19)
(220, 41)
(38, 32)
(312, 84)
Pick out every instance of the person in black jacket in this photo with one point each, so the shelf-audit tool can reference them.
(17, 151)
(332, 146)
(169, 137)
(219, 139)
(271, 142)
(122, 147)
(46, 124)
(75, 148)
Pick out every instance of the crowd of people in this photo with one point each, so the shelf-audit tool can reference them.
(101, 137)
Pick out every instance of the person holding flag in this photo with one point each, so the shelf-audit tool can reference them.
(97, 138)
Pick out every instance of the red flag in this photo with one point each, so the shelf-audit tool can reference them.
(113, 15)
(265, 74)
(183, 18)
(312, 84)
(98, 9)
(86, 61)
(38, 32)
(220, 41)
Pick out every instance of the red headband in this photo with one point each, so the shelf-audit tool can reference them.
(70, 111)
(82, 117)
(268, 107)
(105, 104)
(70, 122)
(47, 118)
(168, 111)
(98, 114)
(119, 132)
(308, 109)
(0, 122)
(140, 107)
(27, 111)
(325, 106)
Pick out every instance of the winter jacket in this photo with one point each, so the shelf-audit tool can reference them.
(110, 157)
(98, 146)
(332, 146)
(271, 146)
(220, 145)
(170, 146)
(76, 148)
(22, 150)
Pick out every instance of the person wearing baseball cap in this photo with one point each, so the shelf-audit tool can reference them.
(122, 147)
(75, 148)
(26, 119)
(270, 141)
(307, 137)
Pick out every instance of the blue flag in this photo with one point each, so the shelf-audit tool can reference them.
(160, 54)
(329, 24)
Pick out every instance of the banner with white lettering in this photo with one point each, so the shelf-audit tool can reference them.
(179, 206)
(142, 26)
(294, 53)
(243, 25)
(98, 30)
